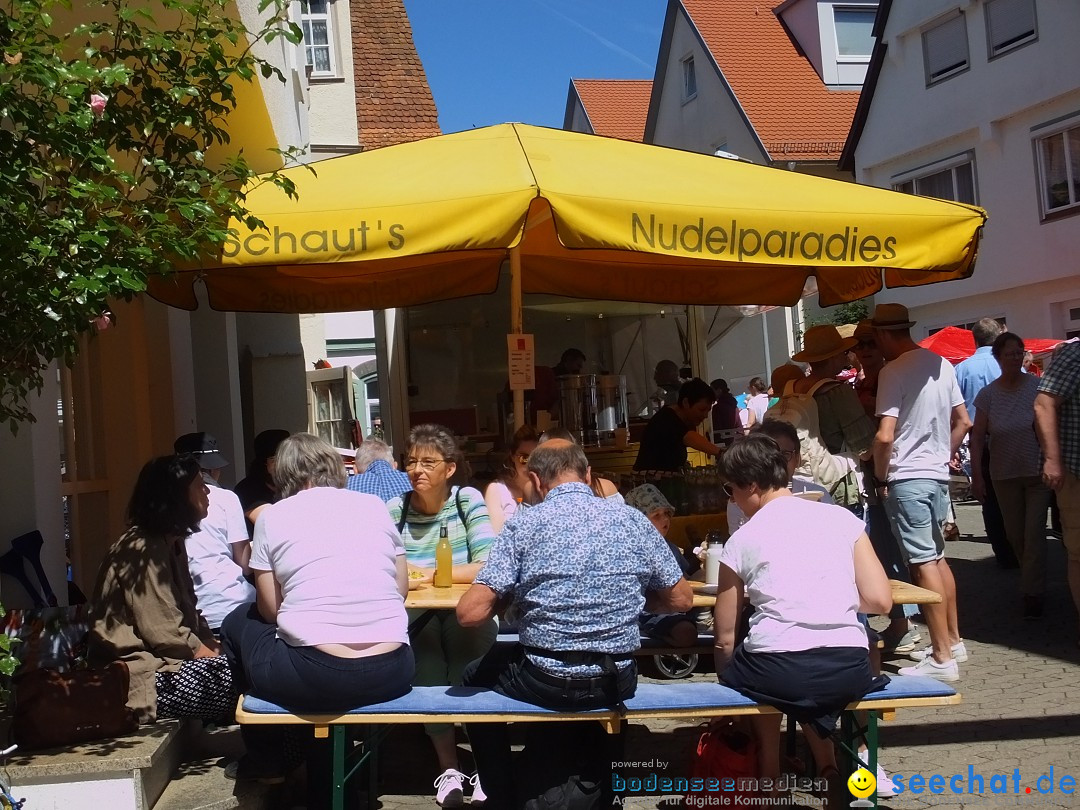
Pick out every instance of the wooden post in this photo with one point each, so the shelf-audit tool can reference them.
(517, 326)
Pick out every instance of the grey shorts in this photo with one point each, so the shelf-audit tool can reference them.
(917, 508)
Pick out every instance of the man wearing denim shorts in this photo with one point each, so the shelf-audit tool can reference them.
(923, 421)
(1057, 421)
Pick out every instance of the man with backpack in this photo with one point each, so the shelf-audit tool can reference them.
(843, 425)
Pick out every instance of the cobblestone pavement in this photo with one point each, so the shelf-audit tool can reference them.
(1020, 711)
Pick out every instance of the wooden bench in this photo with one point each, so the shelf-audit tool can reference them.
(678, 700)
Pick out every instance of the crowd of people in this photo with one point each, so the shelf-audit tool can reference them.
(306, 607)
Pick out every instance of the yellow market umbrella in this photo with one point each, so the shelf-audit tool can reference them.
(583, 216)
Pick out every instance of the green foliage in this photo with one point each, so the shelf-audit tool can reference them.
(104, 134)
(8, 662)
(851, 312)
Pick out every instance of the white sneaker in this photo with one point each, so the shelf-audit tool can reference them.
(930, 668)
(448, 788)
(959, 653)
(886, 789)
(478, 795)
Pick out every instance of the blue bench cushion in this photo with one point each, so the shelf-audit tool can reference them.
(703, 640)
(649, 697)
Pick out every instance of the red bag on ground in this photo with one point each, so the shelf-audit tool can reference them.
(726, 757)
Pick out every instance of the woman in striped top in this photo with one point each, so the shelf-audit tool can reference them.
(441, 646)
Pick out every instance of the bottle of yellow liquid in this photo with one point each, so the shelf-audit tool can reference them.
(444, 559)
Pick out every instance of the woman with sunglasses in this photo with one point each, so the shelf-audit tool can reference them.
(513, 487)
(441, 646)
(807, 569)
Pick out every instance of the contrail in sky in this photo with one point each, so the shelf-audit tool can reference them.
(607, 43)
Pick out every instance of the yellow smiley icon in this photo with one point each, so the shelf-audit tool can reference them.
(861, 783)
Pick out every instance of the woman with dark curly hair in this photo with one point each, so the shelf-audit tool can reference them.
(144, 602)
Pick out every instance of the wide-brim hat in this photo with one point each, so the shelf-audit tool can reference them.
(205, 449)
(863, 329)
(821, 343)
(891, 316)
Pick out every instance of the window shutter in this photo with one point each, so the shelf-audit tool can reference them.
(946, 48)
(1009, 22)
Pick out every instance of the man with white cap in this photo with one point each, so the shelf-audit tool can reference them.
(923, 421)
(218, 552)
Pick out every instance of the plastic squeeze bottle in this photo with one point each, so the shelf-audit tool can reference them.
(444, 559)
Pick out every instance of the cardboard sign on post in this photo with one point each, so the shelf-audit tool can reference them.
(521, 359)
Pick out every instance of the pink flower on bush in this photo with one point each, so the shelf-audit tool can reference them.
(97, 103)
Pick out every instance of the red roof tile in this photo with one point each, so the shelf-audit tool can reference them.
(616, 108)
(393, 100)
(794, 114)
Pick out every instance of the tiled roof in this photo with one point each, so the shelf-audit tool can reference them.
(794, 114)
(616, 108)
(393, 100)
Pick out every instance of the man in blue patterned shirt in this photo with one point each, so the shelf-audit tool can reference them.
(578, 570)
(377, 472)
(1057, 421)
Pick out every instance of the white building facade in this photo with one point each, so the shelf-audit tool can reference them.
(979, 101)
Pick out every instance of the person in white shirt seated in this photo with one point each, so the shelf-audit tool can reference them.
(218, 552)
(785, 435)
(807, 569)
(328, 631)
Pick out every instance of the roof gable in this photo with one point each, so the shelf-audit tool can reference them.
(616, 108)
(393, 100)
(795, 115)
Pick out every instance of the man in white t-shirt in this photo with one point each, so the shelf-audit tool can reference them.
(218, 552)
(923, 421)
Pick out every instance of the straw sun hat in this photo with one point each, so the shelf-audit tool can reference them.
(821, 343)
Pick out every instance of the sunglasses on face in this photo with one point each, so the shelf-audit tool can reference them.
(866, 344)
(425, 464)
(730, 490)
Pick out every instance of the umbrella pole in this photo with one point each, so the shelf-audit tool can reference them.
(517, 326)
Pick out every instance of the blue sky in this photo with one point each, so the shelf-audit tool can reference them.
(493, 61)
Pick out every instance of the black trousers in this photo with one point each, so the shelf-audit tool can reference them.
(565, 749)
(992, 519)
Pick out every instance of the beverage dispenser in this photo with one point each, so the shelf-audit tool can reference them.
(577, 406)
(611, 412)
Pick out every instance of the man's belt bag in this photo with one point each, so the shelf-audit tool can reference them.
(54, 709)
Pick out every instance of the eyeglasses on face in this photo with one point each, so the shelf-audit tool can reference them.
(788, 454)
(521, 458)
(425, 464)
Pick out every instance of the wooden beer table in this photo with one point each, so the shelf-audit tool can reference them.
(903, 593)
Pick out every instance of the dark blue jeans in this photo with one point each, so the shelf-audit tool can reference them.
(583, 747)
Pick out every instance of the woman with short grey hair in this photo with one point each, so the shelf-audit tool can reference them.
(328, 630)
(303, 461)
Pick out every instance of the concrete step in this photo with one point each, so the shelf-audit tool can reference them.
(201, 785)
(128, 773)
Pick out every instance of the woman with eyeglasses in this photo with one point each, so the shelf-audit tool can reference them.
(807, 569)
(441, 646)
(1003, 417)
(513, 487)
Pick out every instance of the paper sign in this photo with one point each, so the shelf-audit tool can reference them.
(521, 359)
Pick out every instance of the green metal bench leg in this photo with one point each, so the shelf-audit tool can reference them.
(340, 738)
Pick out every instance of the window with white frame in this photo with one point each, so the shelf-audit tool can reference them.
(689, 79)
(854, 31)
(317, 23)
(1009, 24)
(945, 49)
(1059, 169)
(953, 179)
